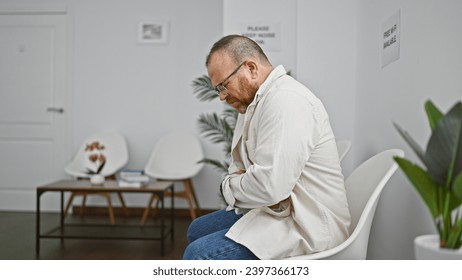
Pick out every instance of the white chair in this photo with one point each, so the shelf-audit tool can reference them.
(176, 157)
(343, 147)
(363, 188)
(116, 153)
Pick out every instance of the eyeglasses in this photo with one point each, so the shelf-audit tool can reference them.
(220, 87)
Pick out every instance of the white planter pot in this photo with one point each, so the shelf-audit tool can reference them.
(427, 247)
(97, 179)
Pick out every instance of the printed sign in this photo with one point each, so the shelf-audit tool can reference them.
(267, 35)
(390, 39)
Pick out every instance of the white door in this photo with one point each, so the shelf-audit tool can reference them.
(33, 117)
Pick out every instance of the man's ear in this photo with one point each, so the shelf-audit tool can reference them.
(253, 68)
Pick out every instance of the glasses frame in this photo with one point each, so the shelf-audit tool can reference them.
(220, 87)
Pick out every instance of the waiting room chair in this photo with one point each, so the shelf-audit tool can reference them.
(363, 188)
(116, 153)
(343, 147)
(176, 157)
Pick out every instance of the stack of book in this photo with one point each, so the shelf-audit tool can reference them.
(132, 178)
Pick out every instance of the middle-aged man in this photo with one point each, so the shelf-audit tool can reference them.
(285, 190)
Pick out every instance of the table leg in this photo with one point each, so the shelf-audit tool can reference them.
(61, 223)
(172, 215)
(37, 223)
(162, 225)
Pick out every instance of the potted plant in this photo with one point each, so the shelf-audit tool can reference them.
(440, 182)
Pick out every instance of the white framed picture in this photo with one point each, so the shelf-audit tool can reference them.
(153, 32)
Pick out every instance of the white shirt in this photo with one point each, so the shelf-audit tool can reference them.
(286, 145)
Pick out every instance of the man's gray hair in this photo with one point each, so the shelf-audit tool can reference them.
(239, 48)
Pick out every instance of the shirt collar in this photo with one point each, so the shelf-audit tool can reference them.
(265, 87)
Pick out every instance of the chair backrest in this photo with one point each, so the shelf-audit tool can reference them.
(363, 188)
(366, 183)
(175, 156)
(115, 151)
(343, 147)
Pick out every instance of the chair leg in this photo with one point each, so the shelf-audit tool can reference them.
(147, 210)
(82, 209)
(196, 201)
(69, 203)
(191, 197)
(122, 201)
(109, 207)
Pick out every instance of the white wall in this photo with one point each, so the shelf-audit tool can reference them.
(276, 12)
(429, 67)
(326, 62)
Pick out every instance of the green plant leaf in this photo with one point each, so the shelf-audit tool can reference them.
(203, 89)
(216, 128)
(457, 186)
(441, 185)
(410, 141)
(454, 236)
(443, 156)
(422, 182)
(433, 114)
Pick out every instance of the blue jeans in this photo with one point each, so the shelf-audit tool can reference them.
(207, 240)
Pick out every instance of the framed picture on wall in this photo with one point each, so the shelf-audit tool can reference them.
(153, 32)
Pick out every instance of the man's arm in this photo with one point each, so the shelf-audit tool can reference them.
(285, 132)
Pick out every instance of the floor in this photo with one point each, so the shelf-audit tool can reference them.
(17, 241)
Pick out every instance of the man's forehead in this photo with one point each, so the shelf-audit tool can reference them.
(219, 57)
(219, 62)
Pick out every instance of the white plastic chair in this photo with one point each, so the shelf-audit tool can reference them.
(363, 188)
(176, 157)
(343, 147)
(116, 153)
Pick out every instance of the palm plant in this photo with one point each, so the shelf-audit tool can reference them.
(219, 128)
(440, 186)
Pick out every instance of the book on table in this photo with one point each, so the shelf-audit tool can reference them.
(127, 184)
(132, 178)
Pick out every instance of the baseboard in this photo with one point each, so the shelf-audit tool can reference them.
(133, 211)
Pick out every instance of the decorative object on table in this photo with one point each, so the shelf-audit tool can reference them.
(115, 158)
(440, 185)
(98, 159)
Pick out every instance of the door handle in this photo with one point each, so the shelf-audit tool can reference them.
(55, 110)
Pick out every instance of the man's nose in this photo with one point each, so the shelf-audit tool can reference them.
(223, 95)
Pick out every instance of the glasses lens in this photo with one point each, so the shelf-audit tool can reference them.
(219, 89)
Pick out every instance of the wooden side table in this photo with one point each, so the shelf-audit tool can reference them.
(81, 231)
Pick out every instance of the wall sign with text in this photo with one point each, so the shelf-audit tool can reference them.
(267, 34)
(390, 39)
